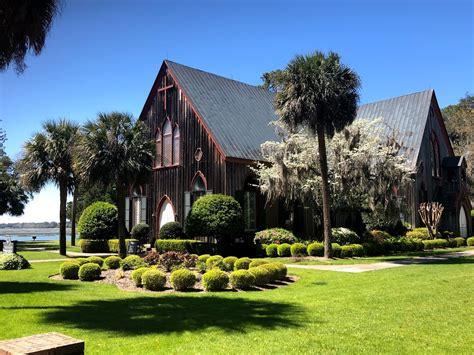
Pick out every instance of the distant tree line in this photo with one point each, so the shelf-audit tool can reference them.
(24, 225)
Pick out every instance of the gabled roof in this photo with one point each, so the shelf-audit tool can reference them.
(408, 114)
(237, 114)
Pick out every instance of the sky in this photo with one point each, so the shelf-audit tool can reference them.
(103, 55)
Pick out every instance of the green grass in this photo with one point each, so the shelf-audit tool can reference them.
(413, 309)
(46, 245)
(364, 260)
(41, 255)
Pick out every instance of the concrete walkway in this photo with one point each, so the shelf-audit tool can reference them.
(356, 268)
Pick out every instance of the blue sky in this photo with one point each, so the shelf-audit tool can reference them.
(104, 55)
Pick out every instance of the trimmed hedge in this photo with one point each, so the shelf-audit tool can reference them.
(350, 250)
(183, 246)
(69, 270)
(96, 260)
(93, 245)
(336, 250)
(132, 262)
(242, 279)
(172, 230)
(113, 244)
(242, 264)
(344, 236)
(81, 261)
(470, 241)
(137, 276)
(215, 261)
(272, 250)
(262, 275)
(98, 221)
(215, 280)
(228, 263)
(141, 232)
(112, 262)
(89, 272)
(435, 243)
(282, 270)
(183, 279)
(256, 263)
(315, 249)
(153, 280)
(284, 249)
(274, 235)
(298, 249)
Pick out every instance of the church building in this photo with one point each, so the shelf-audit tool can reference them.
(208, 130)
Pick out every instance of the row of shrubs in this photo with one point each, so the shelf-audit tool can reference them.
(101, 245)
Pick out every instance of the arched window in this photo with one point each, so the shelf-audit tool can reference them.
(434, 155)
(167, 143)
(176, 142)
(158, 148)
(199, 187)
(165, 212)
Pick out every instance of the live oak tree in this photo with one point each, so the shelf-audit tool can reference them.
(316, 92)
(116, 150)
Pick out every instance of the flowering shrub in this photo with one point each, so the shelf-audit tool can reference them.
(274, 236)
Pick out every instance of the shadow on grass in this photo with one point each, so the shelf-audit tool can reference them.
(452, 261)
(28, 245)
(28, 287)
(168, 314)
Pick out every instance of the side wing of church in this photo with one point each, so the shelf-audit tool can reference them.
(208, 130)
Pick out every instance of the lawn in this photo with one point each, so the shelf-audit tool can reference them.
(413, 309)
(45, 245)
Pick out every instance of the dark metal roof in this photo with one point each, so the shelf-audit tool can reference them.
(408, 114)
(453, 162)
(237, 114)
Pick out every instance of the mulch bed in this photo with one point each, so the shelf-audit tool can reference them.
(125, 283)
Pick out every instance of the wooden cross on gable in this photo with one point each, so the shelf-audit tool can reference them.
(164, 88)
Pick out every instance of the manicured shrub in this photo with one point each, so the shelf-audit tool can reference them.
(274, 271)
(132, 262)
(98, 221)
(418, 233)
(242, 264)
(89, 272)
(282, 270)
(201, 262)
(344, 236)
(96, 260)
(216, 215)
(241, 279)
(152, 258)
(336, 250)
(373, 248)
(141, 232)
(470, 241)
(350, 250)
(435, 243)
(81, 261)
(203, 258)
(262, 275)
(298, 249)
(172, 230)
(274, 235)
(272, 250)
(315, 249)
(228, 263)
(377, 236)
(215, 280)
(153, 280)
(137, 275)
(69, 270)
(183, 279)
(112, 262)
(13, 262)
(114, 244)
(93, 245)
(284, 249)
(172, 260)
(183, 246)
(214, 261)
(256, 263)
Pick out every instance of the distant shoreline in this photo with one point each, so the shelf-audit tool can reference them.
(31, 231)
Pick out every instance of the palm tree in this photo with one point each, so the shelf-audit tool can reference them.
(115, 150)
(47, 157)
(321, 94)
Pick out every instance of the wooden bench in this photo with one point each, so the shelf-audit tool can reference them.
(42, 344)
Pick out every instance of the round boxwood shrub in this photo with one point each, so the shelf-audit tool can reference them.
(89, 272)
(350, 250)
(172, 230)
(141, 232)
(217, 215)
(336, 250)
(256, 263)
(282, 270)
(214, 261)
(215, 280)
(183, 279)
(298, 249)
(154, 280)
(132, 262)
(315, 249)
(241, 279)
(272, 250)
(284, 249)
(94, 245)
(228, 263)
(98, 221)
(69, 270)
(262, 275)
(112, 262)
(81, 261)
(13, 262)
(96, 260)
(242, 264)
(344, 236)
(274, 235)
(137, 276)
(470, 241)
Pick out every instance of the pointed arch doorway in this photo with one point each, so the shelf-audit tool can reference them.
(166, 212)
(463, 223)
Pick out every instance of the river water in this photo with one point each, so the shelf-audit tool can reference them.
(27, 234)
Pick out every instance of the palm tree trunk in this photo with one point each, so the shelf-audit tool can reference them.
(73, 219)
(121, 218)
(62, 216)
(323, 162)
